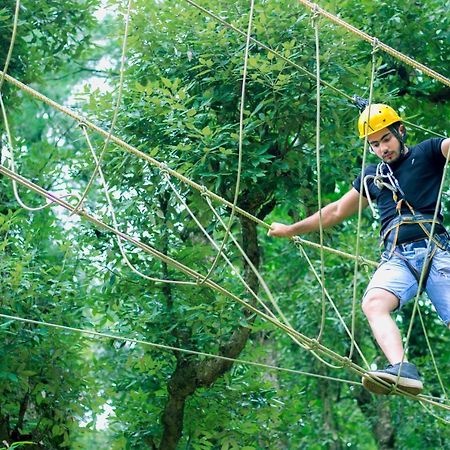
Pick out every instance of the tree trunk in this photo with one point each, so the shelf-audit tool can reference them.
(378, 414)
(191, 374)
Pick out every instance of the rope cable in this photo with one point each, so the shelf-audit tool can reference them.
(116, 108)
(360, 200)
(315, 25)
(374, 41)
(170, 348)
(240, 144)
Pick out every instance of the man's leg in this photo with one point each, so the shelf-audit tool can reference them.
(377, 306)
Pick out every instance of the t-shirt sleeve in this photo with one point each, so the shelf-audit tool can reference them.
(357, 185)
(433, 147)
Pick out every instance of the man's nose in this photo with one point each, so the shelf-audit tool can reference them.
(384, 148)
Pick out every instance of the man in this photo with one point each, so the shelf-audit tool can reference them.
(405, 186)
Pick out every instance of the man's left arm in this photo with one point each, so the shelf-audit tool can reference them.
(445, 147)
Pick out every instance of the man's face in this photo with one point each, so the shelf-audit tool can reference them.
(385, 145)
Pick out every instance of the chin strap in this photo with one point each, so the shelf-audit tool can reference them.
(401, 138)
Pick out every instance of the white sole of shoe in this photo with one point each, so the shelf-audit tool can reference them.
(408, 385)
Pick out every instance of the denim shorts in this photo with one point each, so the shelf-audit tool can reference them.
(393, 275)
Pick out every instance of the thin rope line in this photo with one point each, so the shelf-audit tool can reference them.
(341, 319)
(315, 24)
(11, 44)
(433, 359)
(164, 347)
(446, 421)
(314, 345)
(240, 145)
(116, 108)
(426, 130)
(13, 167)
(358, 231)
(386, 48)
(115, 224)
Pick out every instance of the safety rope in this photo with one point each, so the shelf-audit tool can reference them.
(171, 348)
(241, 138)
(433, 359)
(315, 25)
(333, 305)
(360, 200)
(116, 108)
(374, 41)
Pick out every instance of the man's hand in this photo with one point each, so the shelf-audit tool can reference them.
(280, 230)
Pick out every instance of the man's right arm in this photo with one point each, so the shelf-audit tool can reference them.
(332, 214)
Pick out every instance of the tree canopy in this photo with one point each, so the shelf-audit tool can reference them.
(180, 105)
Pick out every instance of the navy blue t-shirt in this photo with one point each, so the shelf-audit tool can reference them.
(419, 174)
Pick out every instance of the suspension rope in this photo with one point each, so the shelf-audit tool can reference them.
(315, 25)
(360, 200)
(240, 144)
(116, 108)
(336, 310)
(433, 359)
(163, 347)
(374, 41)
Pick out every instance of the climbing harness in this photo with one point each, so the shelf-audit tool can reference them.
(384, 178)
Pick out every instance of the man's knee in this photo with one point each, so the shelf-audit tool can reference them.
(379, 301)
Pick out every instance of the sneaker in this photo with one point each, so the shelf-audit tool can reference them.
(409, 380)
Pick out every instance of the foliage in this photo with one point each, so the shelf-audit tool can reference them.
(181, 106)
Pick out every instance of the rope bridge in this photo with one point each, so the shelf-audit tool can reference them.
(194, 278)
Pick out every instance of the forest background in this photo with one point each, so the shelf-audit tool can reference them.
(180, 104)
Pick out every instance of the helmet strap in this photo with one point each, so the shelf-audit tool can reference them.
(401, 138)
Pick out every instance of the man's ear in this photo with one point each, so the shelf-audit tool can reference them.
(402, 130)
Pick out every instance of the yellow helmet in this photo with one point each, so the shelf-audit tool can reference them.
(381, 116)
